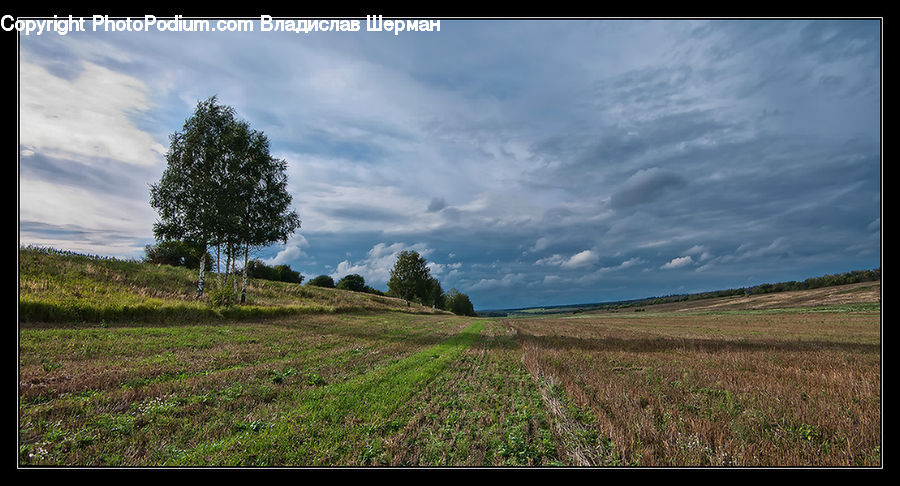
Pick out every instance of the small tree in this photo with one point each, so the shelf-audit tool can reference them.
(353, 282)
(435, 294)
(459, 303)
(409, 277)
(322, 281)
(279, 273)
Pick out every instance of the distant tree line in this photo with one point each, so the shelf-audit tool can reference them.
(277, 273)
(181, 254)
(55, 251)
(410, 280)
(855, 276)
(352, 282)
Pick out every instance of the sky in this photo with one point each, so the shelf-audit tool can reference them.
(531, 162)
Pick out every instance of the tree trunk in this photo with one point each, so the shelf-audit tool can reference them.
(244, 284)
(200, 281)
(219, 264)
(234, 275)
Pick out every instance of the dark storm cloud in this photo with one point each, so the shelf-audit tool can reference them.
(364, 213)
(436, 204)
(645, 186)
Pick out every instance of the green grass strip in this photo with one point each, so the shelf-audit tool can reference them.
(336, 424)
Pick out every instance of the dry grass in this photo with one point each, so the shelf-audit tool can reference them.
(864, 292)
(767, 389)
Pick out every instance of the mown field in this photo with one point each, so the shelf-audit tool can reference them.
(350, 386)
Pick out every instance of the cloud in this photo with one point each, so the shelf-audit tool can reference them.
(645, 186)
(291, 252)
(436, 204)
(89, 117)
(541, 244)
(507, 281)
(555, 259)
(701, 251)
(578, 260)
(376, 266)
(678, 263)
(725, 133)
(630, 263)
(581, 259)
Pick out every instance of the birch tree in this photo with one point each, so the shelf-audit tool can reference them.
(265, 214)
(186, 197)
(222, 188)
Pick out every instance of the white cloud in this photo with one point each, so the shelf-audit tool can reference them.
(581, 259)
(376, 266)
(494, 283)
(874, 225)
(678, 263)
(291, 251)
(578, 260)
(64, 205)
(630, 263)
(86, 118)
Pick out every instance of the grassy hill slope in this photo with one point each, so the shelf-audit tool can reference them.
(59, 287)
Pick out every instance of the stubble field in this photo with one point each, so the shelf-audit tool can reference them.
(798, 386)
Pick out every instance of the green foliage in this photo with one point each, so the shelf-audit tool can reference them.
(434, 294)
(176, 253)
(459, 303)
(223, 296)
(279, 273)
(353, 282)
(370, 290)
(410, 277)
(221, 187)
(322, 281)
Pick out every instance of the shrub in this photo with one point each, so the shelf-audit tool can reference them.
(279, 273)
(175, 253)
(322, 281)
(352, 282)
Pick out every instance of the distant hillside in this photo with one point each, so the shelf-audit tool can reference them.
(57, 286)
(859, 286)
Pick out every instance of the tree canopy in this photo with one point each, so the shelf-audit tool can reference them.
(411, 280)
(221, 187)
(409, 277)
(322, 281)
(352, 282)
(459, 303)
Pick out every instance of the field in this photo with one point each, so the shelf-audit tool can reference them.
(346, 385)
